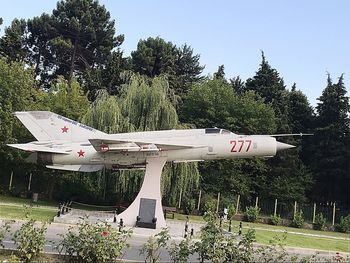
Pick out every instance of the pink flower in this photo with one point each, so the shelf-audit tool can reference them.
(104, 233)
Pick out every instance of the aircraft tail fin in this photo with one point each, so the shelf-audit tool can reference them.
(47, 126)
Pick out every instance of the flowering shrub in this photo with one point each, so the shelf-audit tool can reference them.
(94, 243)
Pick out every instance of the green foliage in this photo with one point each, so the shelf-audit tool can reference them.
(67, 100)
(179, 253)
(17, 92)
(329, 149)
(29, 240)
(155, 56)
(210, 205)
(144, 106)
(298, 220)
(231, 211)
(12, 44)
(215, 246)
(94, 242)
(151, 248)
(344, 225)
(4, 228)
(274, 220)
(251, 213)
(189, 205)
(320, 222)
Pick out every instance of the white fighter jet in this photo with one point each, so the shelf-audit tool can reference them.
(65, 144)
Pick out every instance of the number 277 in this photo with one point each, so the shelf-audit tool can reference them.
(240, 145)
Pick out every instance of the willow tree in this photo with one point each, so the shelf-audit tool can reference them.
(144, 105)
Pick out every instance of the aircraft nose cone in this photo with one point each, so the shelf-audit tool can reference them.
(283, 146)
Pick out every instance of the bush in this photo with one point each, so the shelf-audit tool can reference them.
(210, 205)
(94, 242)
(344, 224)
(298, 220)
(251, 214)
(189, 205)
(30, 240)
(3, 230)
(320, 222)
(274, 220)
(181, 252)
(231, 211)
(151, 248)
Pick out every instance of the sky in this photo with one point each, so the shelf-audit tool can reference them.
(302, 39)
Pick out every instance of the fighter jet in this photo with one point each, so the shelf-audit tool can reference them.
(65, 144)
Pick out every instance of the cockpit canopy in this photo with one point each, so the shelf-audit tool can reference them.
(216, 131)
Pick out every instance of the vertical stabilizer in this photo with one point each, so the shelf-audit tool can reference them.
(45, 126)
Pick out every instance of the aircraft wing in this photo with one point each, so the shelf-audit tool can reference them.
(102, 145)
(29, 147)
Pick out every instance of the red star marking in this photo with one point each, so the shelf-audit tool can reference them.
(81, 153)
(64, 129)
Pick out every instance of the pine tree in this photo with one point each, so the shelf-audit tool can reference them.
(285, 168)
(331, 144)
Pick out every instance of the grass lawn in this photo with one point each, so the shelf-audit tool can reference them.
(296, 240)
(264, 233)
(17, 212)
(23, 201)
(18, 208)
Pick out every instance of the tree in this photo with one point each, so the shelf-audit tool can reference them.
(220, 74)
(67, 100)
(76, 40)
(17, 92)
(85, 36)
(238, 85)
(40, 55)
(187, 68)
(13, 43)
(144, 105)
(155, 56)
(286, 169)
(301, 114)
(213, 103)
(270, 86)
(330, 149)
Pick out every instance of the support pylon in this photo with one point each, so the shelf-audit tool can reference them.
(150, 189)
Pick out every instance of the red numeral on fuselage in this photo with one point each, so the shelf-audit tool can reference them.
(239, 145)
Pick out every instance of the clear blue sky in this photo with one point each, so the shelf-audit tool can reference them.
(301, 39)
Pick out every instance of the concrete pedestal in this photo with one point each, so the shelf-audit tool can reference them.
(150, 189)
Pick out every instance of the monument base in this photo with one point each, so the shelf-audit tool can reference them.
(150, 189)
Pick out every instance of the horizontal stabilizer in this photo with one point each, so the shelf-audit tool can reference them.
(77, 168)
(29, 147)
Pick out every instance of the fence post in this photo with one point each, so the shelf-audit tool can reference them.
(333, 218)
(295, 209)
(180, 198)
(256, 202)
(30, 181)
(237, 204)
(217, 204)
(199, 199)
(10, 184)
(275, 211)
(314, 214)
